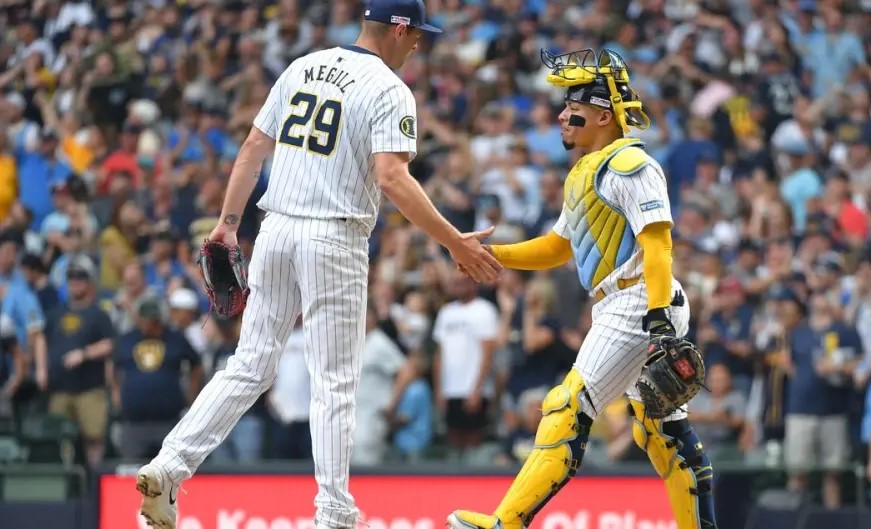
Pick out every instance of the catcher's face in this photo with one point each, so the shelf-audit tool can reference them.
(586, 135)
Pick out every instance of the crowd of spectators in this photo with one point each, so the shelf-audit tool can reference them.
(121, 120)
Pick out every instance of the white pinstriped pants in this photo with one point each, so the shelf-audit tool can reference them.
(615, 348)
(318, 268)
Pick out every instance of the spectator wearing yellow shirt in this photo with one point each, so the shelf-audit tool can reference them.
(80, 146)
(8, 180)
(118, 244)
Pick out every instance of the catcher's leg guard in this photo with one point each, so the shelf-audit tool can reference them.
(677, 456)
(559, 448)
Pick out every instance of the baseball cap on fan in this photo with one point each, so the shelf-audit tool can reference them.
(412, 13)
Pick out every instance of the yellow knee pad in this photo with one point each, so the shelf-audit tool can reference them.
(559, 448)
(662, 450)
(560, 410)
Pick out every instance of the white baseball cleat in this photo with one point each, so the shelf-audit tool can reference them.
(159, 497)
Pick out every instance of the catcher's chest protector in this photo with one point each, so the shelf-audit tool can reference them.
(601, 238)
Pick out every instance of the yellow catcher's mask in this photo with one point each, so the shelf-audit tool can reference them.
(601, 81)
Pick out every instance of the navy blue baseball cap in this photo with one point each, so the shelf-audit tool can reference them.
(412, 13)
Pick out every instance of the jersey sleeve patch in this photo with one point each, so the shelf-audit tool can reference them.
(651, 205)
(407, 127)
(628, 161)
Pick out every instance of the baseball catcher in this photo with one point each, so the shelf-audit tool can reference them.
(223, 270)
(615, 227)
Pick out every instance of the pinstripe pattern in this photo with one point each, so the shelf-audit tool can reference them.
(341, 185)
(310, 258)
(614, 350)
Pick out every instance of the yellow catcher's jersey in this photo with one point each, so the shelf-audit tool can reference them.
(610, 196)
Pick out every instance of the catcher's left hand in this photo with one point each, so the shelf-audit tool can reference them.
(223, 270)
(674, 371)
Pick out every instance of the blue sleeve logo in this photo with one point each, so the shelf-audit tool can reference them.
(653, 204)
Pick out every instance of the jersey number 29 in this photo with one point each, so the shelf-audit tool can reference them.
(325, 129)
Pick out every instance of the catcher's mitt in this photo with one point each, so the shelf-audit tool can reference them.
(223, 271)
(672, 375)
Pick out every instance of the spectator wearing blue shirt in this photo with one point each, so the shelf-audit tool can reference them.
(411, 420)
(726, 335)
(163, 267)
(80, 340)
(343, 28)
(74, 245)
(67, 211)
(57, 222)
(801, 184)
(686, 154)
(544, 139)
(481, 27)
(835, 53)
(37, 170)
(824, 352)
(772, 341)
(218, 138)
(186, 144)
(36, 274)
(149, 364)
(68, 214)
(21, 305)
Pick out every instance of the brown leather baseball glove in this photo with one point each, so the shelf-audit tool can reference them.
(223, 270)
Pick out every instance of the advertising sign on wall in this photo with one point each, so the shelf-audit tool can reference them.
(389, 502)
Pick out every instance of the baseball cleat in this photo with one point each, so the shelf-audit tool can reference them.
(475, 520)
(159, 497)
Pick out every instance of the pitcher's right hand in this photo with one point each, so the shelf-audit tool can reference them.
(474, 258)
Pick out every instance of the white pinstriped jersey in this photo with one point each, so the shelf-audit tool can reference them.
(329, 113)
(642, 198)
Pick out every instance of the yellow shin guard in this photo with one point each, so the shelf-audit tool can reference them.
(559, 447)
(682, 481)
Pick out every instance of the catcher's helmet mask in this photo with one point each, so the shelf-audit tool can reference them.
(601, 81)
